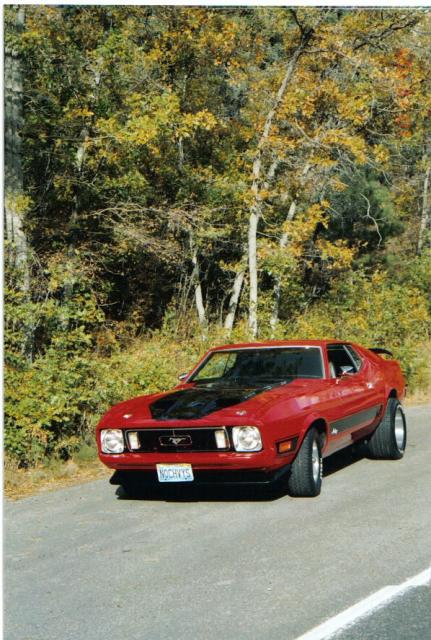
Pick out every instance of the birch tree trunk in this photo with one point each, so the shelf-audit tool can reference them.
(257, 180)
(425, 213)
(200, 307)
(233, 301)
(18, 251)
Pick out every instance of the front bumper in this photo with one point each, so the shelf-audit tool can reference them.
(266, 460)
(243, 477)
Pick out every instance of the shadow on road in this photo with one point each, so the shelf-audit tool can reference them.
(344, 458)
(207, 493)
(235, 493)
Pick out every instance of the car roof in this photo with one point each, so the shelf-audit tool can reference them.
(277, 343)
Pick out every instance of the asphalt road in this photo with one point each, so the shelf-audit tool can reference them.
(405, 618)
(85, 563)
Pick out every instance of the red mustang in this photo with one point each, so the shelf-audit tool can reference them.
(259, 412)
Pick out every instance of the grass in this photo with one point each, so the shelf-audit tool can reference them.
(420, 396)
(21, 483)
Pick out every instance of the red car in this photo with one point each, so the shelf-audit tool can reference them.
(259, 412)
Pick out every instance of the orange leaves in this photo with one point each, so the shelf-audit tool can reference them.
(403, 62)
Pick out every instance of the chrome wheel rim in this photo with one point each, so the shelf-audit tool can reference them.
(400, 429)
(315, 461)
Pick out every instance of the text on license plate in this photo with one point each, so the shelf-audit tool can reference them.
(175, 472)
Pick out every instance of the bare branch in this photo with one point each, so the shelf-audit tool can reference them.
(368, 215)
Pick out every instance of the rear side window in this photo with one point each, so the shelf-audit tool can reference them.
(355, 356)
(339, 357)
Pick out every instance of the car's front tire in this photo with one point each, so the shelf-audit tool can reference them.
(390, 437)
(305, 479)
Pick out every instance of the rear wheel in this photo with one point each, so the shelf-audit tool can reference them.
(305, 479)
(390, 438)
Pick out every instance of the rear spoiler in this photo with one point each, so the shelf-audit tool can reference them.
(378, 350)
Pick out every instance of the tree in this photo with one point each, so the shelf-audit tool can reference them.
(16, 202)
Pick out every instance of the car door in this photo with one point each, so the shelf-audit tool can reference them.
(353, 401)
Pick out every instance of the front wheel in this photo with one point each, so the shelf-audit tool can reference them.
(305, 479)
(390, 437)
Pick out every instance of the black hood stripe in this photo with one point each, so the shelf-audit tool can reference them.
(197, 402)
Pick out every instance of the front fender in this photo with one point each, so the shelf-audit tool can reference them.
(309, 420)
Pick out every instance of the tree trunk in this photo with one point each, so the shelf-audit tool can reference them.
(425, 213)
(200, 307)
(18, 252)
(233, 301)
(256, 205)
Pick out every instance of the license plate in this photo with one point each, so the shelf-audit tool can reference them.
(175, 472)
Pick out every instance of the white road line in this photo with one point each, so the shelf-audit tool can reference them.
(364, 607)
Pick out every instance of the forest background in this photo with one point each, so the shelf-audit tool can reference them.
(181, 177)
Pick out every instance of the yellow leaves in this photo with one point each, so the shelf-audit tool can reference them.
(191, 121)
(303, 226)
(381, 154)
(308, 106)
(322, 161)
(337, 184)
(355, 108)
(18, 202)
(110, 156)
(78, 112)
(353, 143)
(148, 119)
(337, 255)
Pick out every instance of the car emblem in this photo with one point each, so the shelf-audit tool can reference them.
(175, 441)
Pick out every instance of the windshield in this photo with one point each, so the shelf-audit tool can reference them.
(248, 366)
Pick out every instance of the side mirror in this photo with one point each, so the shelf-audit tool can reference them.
(346, 371)
(182, 376)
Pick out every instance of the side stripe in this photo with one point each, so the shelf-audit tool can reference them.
(355, 419)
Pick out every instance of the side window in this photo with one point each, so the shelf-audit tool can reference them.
(340, 360)
(355, 356)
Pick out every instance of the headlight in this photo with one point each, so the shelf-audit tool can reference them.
(246, 439)
(112, 441)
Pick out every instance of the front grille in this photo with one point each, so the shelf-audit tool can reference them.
(177, 440)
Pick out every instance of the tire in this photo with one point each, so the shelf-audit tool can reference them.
(305, 479)
(390, 437)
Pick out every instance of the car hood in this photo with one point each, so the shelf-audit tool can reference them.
(197, 402)
(208, 403)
